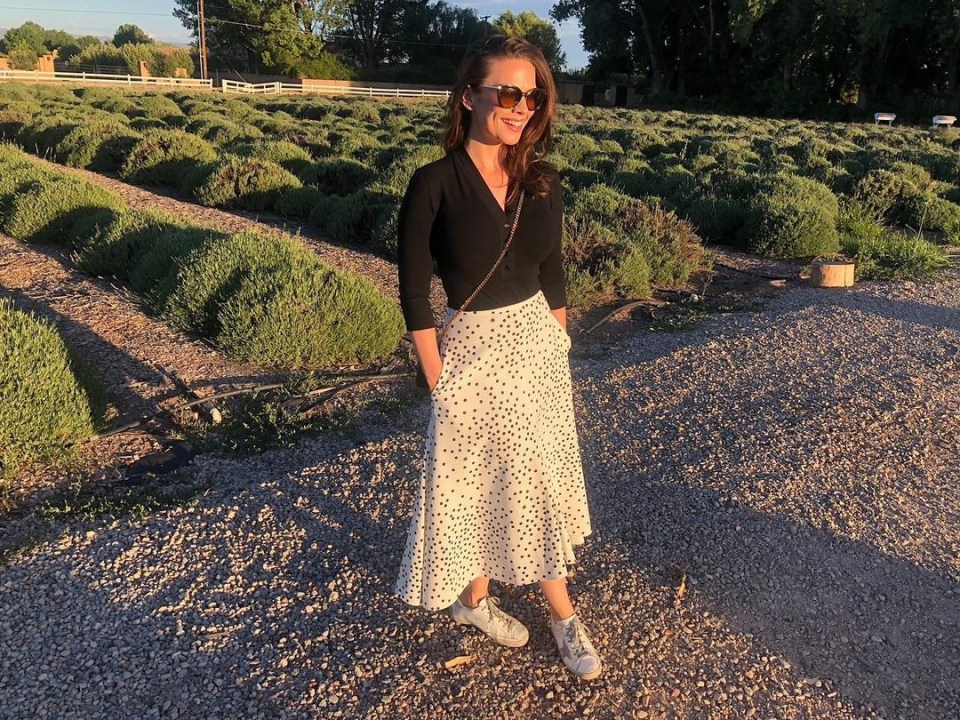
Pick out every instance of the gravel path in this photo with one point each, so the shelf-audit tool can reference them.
(795, 471)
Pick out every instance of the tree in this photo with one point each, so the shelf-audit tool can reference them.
(539, 31)
(372, 29)
(441, 34)
(29, 35)
(261, 35)
(130, 35)
(23, 57)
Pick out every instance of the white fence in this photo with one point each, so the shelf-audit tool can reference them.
(101, 79)
(232, 86)
(227, 86)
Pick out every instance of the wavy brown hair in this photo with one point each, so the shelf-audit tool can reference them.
(523, 161)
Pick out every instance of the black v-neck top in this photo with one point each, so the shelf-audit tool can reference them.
(450, 216)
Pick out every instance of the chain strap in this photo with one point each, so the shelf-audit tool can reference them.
(503, 254)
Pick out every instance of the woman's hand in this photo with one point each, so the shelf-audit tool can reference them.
(433, 379)
(425, 343)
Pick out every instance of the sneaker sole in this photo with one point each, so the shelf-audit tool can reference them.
(591, 675)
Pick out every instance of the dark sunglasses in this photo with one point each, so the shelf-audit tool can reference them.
(509, 96)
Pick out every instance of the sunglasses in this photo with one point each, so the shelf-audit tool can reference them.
(509, 96)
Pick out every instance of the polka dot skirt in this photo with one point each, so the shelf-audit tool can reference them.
(502, 491)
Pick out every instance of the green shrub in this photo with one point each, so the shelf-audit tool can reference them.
(364, 111)
(248, 184)
(158, 107)
(273, 302)
(115, 243)
(45, 412)
(616, 244)
(573, 147)
(891, 256)
(165, 156)
(108, 99)
(308, 316)
(881, 192)
(943, 216)
(49, 208)
(385, 231)
(397, 177)
(12, 123)
(214, 272)
(196, 176)
(717, 218)
(100, 145)
(141, 124)
(298, 202)
(354, 218)
(337, 176)
(44, 134)
(217, 129)
(155, 272)
(791, 217)
(290, 157)
(915, 175)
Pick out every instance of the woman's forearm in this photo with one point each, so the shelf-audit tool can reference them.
(425, 342)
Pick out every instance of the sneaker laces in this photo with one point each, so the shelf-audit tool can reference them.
(574, 635)
(496, 614)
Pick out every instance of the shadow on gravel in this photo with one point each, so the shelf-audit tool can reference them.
(885, 632)
(934, 317)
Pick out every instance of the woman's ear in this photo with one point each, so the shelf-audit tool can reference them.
(467, 100)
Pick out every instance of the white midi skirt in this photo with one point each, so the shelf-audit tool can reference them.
(502, 491)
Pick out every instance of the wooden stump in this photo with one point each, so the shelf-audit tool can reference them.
(831, 273)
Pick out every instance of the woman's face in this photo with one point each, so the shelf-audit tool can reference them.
(494, 125)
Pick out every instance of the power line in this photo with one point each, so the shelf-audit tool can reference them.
(89, 12)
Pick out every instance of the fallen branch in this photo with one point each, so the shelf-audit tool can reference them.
(353, 381)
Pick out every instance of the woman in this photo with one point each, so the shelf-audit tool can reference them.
(502, 493)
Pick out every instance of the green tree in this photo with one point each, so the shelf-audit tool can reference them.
(261, 35)
(130, 35)
(372, 29)
(28, 35)
(539, 31)
(23, 57)
(443, 32)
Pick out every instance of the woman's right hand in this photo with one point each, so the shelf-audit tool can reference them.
(425, 343)
(434, 378)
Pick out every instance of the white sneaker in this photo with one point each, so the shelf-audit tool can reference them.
(575, 648)
(491, 620)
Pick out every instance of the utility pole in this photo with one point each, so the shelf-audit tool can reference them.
(203, 41)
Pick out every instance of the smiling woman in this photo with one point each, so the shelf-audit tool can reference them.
(502, 494)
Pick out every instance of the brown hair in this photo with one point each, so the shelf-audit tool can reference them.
(523, 161)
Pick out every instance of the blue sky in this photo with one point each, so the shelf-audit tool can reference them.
(101, 17)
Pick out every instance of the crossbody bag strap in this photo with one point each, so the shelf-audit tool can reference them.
(503, 254)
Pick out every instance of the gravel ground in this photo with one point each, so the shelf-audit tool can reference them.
(777, 536)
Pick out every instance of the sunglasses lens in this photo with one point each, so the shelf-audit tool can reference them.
(535, 98)
(508, 96)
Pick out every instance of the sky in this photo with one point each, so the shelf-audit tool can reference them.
(102, 17)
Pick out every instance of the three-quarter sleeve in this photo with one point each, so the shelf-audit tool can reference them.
(414, 259)
(552, 280)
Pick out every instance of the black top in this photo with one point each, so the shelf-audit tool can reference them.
(451, 216)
